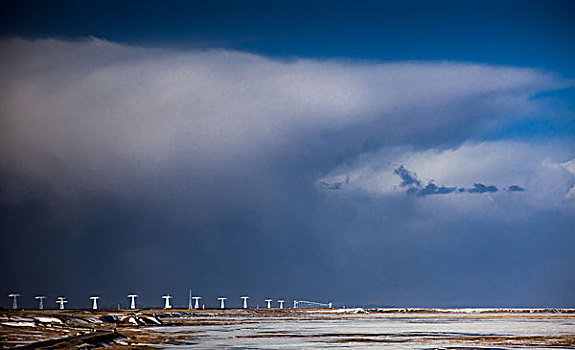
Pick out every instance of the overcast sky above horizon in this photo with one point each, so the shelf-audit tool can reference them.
(356, 152)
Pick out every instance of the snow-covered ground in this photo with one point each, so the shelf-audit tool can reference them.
(358, 328)
(472, 329)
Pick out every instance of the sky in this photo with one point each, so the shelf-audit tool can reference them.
(365, 153)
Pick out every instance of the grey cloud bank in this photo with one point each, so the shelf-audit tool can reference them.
(98, 105)
(148, 168)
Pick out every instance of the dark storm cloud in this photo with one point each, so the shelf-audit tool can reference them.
(80, 115)
(128, 169)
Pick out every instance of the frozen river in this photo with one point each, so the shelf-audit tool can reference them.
(388, 331)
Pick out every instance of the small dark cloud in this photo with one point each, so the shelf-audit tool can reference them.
(334, 186)
(481, 188)
(331, 186)
(407, 177)
(432, 188)
(415, 186)
(515, 188)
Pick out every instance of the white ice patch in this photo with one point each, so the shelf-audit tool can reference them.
(19, 324)
(152, 318)
(48, 319)
(357, 310)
